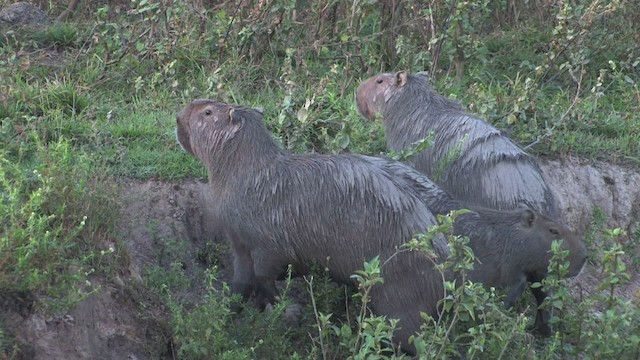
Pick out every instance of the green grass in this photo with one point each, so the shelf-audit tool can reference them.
(144, 145)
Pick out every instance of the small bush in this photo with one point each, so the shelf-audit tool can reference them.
(59, 35)
(41, 208)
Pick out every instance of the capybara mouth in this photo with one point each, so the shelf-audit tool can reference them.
(362, 105)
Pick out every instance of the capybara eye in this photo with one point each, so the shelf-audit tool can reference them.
(379, 81)
(554, 231)
(208, 112)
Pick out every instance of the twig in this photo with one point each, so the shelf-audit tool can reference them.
(64, 15)
(226, 35)
(309, 281)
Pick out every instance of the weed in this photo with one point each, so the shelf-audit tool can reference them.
(59, 35)
(42, 239)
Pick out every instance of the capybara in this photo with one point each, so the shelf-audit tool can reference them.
(470, 159)
(511, 246)
(339, 211)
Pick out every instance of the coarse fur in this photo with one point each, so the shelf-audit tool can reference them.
(514, 247)
(470, 159)
(511, 246)
(487, 168)
(339, 211)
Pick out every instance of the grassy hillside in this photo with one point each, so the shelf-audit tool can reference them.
(85, 102)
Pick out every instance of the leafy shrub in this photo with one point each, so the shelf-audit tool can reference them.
(44, 219)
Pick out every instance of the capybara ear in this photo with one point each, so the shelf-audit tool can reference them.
(528, 217)
(401, 78)
(236, 120)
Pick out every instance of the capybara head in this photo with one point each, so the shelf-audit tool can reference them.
(380, 92)
(374, 92)
(540, 231)
(204, 124)
(217, 133)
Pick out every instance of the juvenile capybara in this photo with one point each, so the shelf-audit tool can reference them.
(511, 246)
(470, 159)
(339, 211)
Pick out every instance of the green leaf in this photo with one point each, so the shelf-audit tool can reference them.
(343, 141)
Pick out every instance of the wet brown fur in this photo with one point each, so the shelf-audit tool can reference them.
(490, 169)
(511, 246)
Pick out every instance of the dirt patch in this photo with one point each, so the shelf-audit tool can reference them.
(581, 186)
(108, 324)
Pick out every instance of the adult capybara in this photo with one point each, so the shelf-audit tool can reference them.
(340, 210)
(337, 210)
(470, 159)
(511, 246)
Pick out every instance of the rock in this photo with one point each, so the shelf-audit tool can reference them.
(23, 14)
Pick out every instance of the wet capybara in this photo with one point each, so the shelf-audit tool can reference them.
(511, 246)
(470, 159)
(278, 208)
(339, 211)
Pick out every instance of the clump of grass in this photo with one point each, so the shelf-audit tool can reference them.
(59, 35)
(41, 98)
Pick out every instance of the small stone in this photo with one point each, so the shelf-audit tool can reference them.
(23, 14)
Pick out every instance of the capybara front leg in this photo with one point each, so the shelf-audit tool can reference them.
(267, 268)
(541, 324)
(244, 280)
(515, 292)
